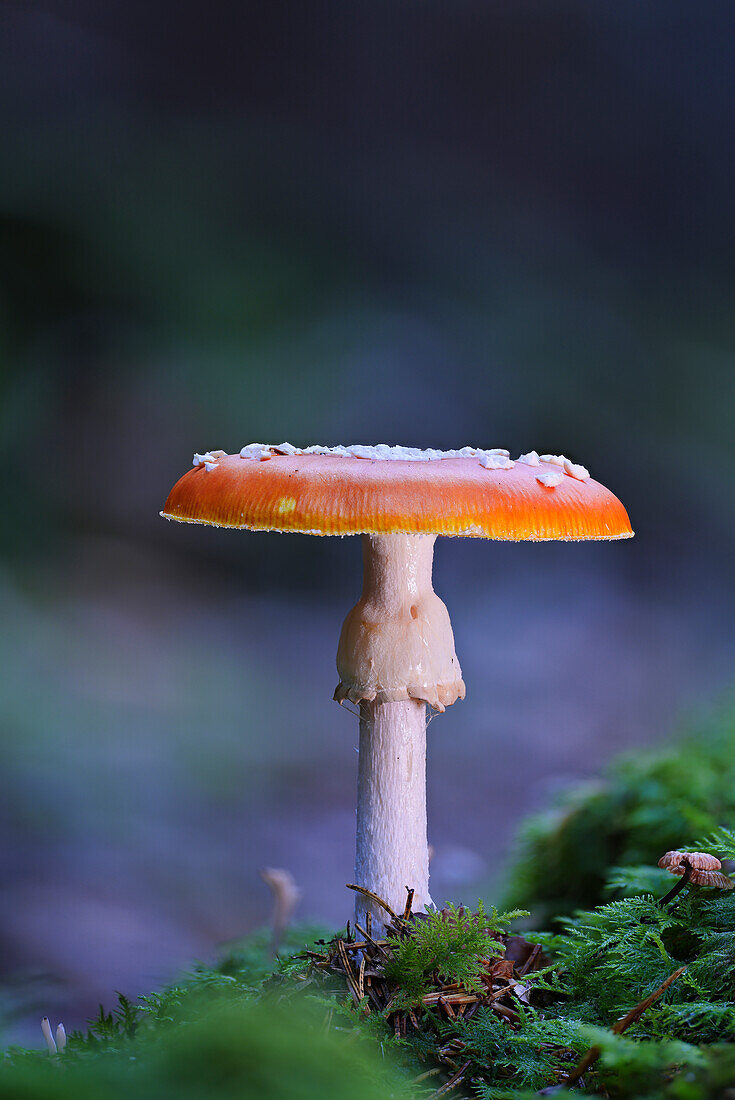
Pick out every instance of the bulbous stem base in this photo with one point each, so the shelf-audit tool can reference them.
(397, 642)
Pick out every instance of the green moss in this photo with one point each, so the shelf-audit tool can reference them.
(252, 1026)
(646, 804)
(219, 1048)
(454, 943)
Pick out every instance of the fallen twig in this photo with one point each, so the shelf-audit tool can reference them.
(454, 1080)
(373, 897)
(630, 1018)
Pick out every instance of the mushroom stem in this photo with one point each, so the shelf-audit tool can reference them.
(397, 641)
(678, 886)
(396, 654)
(392, 850)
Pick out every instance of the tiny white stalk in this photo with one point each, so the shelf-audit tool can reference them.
(48, 1035)
(55, 1043)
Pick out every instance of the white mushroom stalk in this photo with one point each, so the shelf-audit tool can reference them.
(391, 851)
(395, 655)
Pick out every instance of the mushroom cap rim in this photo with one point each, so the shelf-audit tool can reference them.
(371, 531)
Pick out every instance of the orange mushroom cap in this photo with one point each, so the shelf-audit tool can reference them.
(342, 494)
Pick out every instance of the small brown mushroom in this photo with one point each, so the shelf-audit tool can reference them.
(676, 862)
(713, 879)
(697, 868)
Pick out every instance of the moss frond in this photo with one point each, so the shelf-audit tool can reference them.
(455, 944)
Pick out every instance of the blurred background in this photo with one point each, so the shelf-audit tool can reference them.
(496, 222)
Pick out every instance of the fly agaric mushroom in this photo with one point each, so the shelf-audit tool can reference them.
(698, 868)
(396, 651)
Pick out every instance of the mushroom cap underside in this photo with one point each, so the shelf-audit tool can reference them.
(326, 494)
